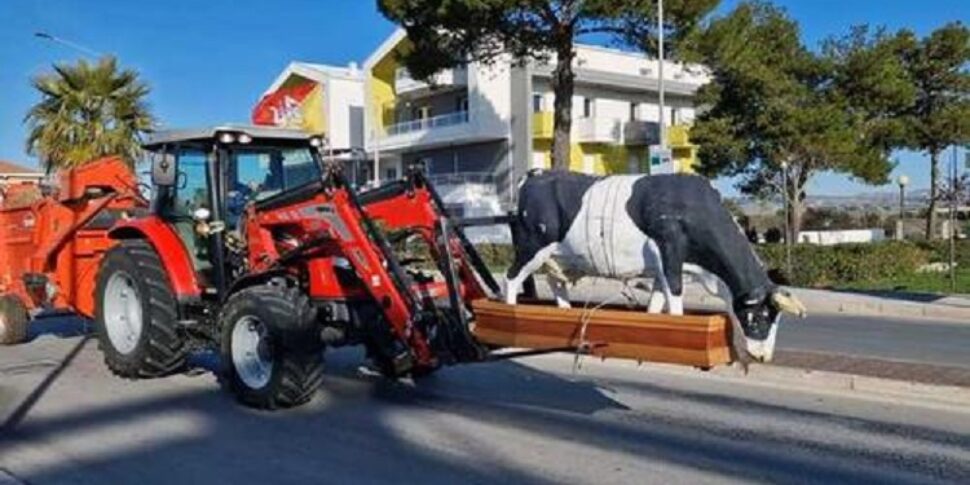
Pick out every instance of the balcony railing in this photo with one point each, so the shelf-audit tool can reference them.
(641, 132)
(461, 178)
(597, 130)
(449, 78)
(433, 122)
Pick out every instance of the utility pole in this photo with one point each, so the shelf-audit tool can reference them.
(64, 42)
(660, 57)
(900, 225)
(953, 220)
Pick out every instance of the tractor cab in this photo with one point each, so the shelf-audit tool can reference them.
(204, 179)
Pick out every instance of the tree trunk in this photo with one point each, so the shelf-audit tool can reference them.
(563, 86)
(795, 193)
(934, 176)
(795, 214)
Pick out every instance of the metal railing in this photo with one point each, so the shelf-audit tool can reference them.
(459, 178)
(439, 121)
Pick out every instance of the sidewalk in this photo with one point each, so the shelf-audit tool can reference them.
(901, 305)
(896, 305)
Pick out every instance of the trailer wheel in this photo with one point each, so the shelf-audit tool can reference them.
(271, 351)
(13, 320)
(136, 315)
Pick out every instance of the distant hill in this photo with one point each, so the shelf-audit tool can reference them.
(872, 201)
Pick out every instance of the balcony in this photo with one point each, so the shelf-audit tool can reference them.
(440, 121)
(446, 129)
(641, 132)
(405, 85)
(597, 130)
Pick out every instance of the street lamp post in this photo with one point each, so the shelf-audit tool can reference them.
(900, 226)
(660, 69)
(72, 45)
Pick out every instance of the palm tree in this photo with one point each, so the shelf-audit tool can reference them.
(88, 111)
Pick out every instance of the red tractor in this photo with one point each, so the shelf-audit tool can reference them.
(256, 245)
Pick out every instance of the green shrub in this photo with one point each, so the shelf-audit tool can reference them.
(498, 257)
(813, 266)
(843, 264)
(940, 251)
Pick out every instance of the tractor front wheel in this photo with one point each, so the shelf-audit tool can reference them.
(135, 314)
(271, 352)
(13, 320)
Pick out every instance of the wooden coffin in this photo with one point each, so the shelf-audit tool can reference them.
(699, 339)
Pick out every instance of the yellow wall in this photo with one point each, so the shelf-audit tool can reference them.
(610, 158)
(683, 151)
(607, 159)
(542, 123)
(380, 86)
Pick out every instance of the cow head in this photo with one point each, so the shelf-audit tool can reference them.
(759, 314)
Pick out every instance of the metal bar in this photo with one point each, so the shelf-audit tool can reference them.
(580, 349)
(483, 221)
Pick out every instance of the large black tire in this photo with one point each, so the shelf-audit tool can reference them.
(13, 320)
(290, 347)
(158, 349)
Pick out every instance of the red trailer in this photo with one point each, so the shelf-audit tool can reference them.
(50, 248)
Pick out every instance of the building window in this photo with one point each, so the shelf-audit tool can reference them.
(634, 111)
(589, 107)
(420, 112)
(537, 104)
(674, 116)
(461, 104)
(390, 173)
(425, 164)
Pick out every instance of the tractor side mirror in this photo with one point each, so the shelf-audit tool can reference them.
(163, 170)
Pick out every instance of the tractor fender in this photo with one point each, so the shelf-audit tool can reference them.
(175, 258)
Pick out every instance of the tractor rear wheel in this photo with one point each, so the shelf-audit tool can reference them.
(135, 314)
(271, 352)
(13, 320)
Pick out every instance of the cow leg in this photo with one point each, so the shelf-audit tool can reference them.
(659, 293)
(523, 269)
(657, 298)
(673, 252)
(560, 292)
(557, 283)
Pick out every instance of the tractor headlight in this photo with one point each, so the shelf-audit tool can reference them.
(245, 139)
(316, 142)
(226, 137)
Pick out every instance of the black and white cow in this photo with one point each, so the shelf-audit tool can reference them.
(630, 227)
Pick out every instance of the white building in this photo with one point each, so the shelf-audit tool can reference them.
(478, 129)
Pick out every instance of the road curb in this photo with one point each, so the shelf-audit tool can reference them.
(818, 302)
(874, 307)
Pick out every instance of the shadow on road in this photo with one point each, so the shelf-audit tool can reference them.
(360, 430)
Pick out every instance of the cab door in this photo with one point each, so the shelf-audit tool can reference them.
(192, 191)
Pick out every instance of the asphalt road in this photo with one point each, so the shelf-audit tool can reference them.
(929, 341)
(528, 421)
(938, 342)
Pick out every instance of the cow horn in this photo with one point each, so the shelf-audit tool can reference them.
(787, 303)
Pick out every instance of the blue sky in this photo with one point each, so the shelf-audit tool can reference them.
(209, 61)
